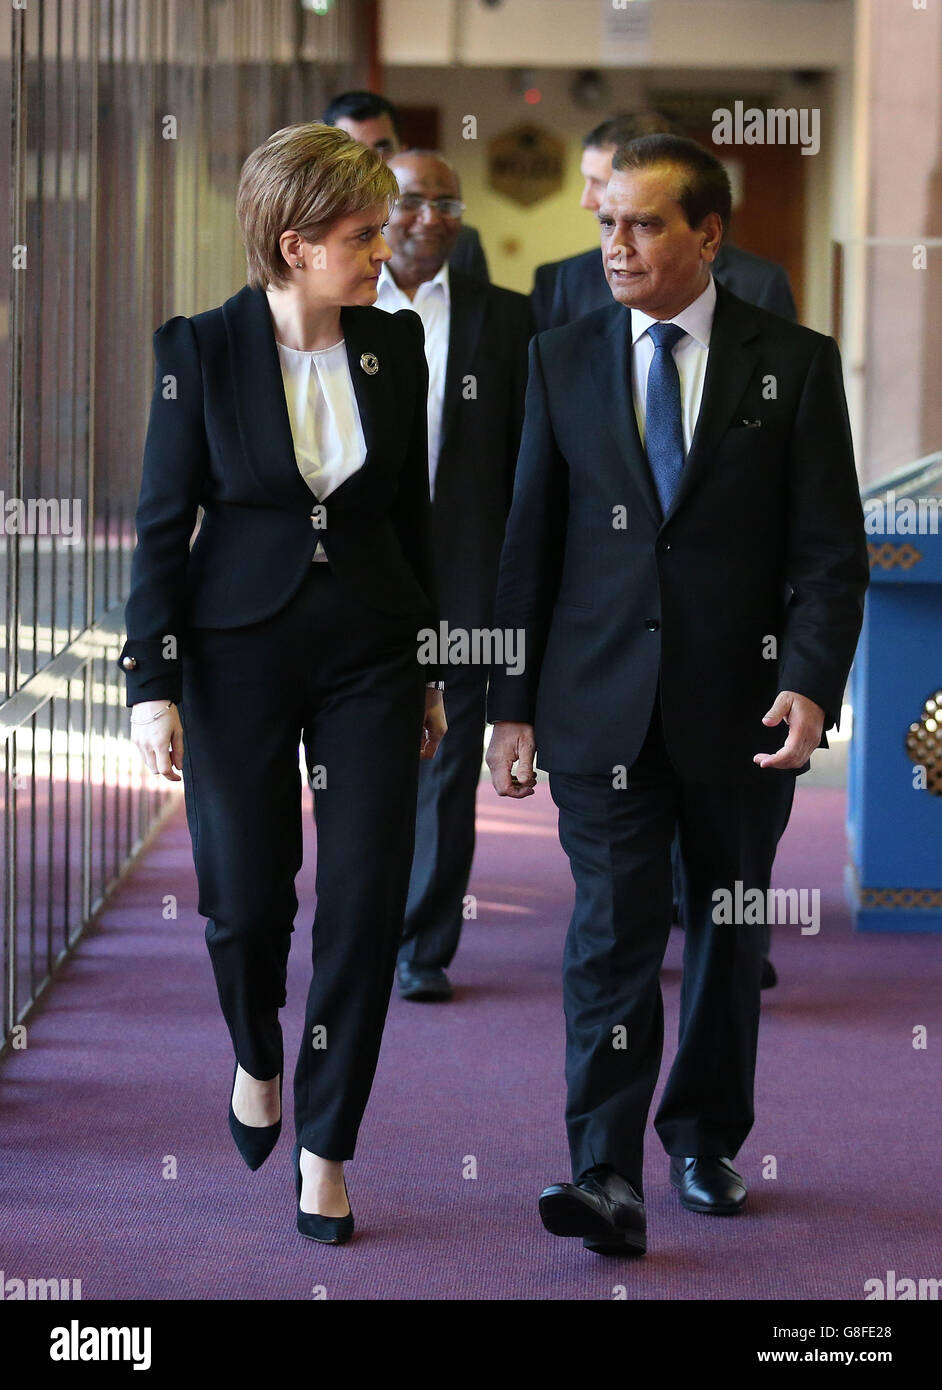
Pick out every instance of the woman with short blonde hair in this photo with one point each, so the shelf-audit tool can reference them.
(305, 177)
(294, 414)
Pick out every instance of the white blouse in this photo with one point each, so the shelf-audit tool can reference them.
(329, 444)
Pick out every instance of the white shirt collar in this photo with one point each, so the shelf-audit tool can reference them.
(696, 319)
(388, 284)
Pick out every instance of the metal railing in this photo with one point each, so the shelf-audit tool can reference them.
(128, 124)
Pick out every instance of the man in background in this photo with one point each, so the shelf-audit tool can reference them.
(374, 121)
(476, 339)
(565, 290)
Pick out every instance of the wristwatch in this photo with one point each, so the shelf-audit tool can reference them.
(435, 685)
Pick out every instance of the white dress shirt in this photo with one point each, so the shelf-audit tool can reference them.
(689, 353)
(432, 303)
(325, 422)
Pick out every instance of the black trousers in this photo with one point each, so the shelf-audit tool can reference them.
(344, 679)
(444, 839)
(677, 869)
(619, 846)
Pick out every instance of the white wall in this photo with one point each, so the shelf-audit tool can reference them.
(564, 33)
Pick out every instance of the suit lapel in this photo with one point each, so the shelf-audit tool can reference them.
(374, 389)
(259, 394)
(611, 368)
(730, 364)
(464, 331)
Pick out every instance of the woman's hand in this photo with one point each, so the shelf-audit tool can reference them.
(159, 741)
(434, 725)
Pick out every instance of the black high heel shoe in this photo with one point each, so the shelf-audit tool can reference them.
(254, 1142)
(329, 1230)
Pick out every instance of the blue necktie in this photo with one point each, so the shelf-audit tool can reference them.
(663, 423)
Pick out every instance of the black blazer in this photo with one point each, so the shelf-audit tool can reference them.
(482, 417)
(565, 290)
(219, 436)
(468, 254)
(765, 539)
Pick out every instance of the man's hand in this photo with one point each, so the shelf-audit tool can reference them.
(434, 725)
(805, 722)
(512, 743)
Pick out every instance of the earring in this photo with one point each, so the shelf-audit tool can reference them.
(300, 265)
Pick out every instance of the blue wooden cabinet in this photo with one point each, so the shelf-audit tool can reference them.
(895, 778)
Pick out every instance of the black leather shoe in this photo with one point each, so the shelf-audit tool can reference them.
(254, 1142)
(423, 982)
(769, 974)
(328, 1230)
(602, 1207)
(709, 1185)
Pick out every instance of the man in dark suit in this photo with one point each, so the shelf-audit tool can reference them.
(686, 556)
(374, 121)
(565, 290)
(476, 338)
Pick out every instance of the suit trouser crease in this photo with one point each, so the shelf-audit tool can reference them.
(618, 841)
(343, 679)
(445, 836)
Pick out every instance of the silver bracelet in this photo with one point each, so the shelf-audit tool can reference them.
(152, 718)
(435, 685)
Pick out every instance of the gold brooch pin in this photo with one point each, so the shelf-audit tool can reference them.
(370, 363)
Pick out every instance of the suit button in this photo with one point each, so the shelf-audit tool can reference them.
(129, 663)
(667, 545)
(652, 625)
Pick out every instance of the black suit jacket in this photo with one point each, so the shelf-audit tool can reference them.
(482, 417)
(764, 539)
(219, 436)
(468, 254)
(565, 290)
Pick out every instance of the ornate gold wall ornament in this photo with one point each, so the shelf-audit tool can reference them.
(526, 163)
(924, 742)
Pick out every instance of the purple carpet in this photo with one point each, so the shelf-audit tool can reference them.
(118, 1168)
